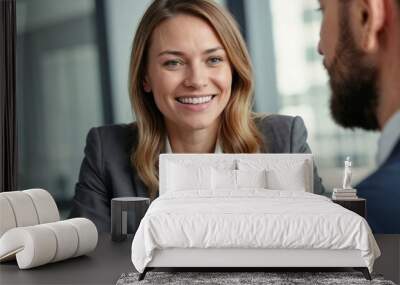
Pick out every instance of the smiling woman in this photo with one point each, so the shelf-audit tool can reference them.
(190, 78)
(191, 68)
(191, 88)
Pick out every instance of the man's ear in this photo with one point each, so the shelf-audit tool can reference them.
(372, 15)
(146, 84)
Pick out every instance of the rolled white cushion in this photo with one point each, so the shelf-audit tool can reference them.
(33, 246)
(23, 208)
(87, 235)
(45, 205)
(67, 239)
(7, 218)
(40, 244)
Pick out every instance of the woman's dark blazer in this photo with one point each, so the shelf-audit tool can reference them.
(106, 171)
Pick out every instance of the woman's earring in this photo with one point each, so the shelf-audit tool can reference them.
(146, 87)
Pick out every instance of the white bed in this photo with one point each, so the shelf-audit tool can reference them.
(266, 217)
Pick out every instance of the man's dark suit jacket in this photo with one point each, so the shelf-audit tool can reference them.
(106, 171)
(382, 192)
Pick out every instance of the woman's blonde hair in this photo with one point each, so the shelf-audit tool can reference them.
(237, 133)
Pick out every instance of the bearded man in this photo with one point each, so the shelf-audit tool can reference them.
(360, 42)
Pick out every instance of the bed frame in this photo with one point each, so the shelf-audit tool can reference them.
(256, 259)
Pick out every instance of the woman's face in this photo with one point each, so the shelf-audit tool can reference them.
(188, 73)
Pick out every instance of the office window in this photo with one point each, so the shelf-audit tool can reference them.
(310, 16)
(66, 51)
(311, 55)
(58, 92)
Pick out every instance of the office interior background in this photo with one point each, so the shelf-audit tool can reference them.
(72, 74)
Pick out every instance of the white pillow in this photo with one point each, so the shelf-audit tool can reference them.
(282, 174)
(292, 180)
(224, 179)
(181, 177)
(228, 179)
(251, 178)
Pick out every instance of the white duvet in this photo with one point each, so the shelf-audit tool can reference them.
(252, 218)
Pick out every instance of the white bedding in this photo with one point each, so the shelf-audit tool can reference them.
(251, 218)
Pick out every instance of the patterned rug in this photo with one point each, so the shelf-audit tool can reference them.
(269, 278)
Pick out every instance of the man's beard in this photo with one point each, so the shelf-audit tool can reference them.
(354, 99)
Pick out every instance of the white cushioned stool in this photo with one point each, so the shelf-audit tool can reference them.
(31, 232)
(37, 245)
(26, 208)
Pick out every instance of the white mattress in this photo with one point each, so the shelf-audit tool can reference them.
(252, 219)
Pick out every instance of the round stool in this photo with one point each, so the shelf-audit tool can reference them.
(124, 209)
